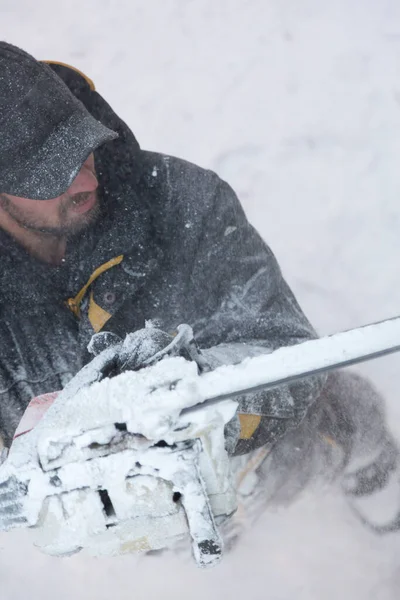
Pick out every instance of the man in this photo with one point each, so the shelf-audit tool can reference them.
(99, 235)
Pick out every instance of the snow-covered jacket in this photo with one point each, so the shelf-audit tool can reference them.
(173, 246)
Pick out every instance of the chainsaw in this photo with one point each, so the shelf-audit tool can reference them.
(136, 462)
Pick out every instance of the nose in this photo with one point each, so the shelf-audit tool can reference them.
(85, 181)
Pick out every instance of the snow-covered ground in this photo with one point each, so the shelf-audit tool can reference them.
(297, 104)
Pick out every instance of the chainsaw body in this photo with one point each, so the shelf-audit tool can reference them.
(118, 468)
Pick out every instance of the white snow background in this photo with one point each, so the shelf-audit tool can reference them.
(297, 104)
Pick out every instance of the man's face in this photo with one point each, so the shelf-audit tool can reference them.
(63, 216)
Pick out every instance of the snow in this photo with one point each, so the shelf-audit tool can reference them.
(296, 104)
(78, 444)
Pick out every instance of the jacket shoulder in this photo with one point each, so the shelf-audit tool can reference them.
(178, 178)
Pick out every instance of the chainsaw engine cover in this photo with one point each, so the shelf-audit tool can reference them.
(117, 468)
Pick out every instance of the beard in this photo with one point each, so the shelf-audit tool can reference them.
(67, 226)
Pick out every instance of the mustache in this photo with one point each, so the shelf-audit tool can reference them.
(78, 198)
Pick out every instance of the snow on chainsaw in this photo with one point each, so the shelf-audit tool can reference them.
(112, 466)
(132, 461)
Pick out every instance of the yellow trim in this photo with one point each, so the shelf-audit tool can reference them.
(329, 440)
(98, 317)
(87, 79)
(248, 425)
(74, 304)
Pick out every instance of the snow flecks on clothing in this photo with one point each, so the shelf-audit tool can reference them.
(229, 230)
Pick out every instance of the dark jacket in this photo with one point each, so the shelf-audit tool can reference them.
(184, 252)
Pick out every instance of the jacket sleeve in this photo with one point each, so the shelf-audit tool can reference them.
(251, 310)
